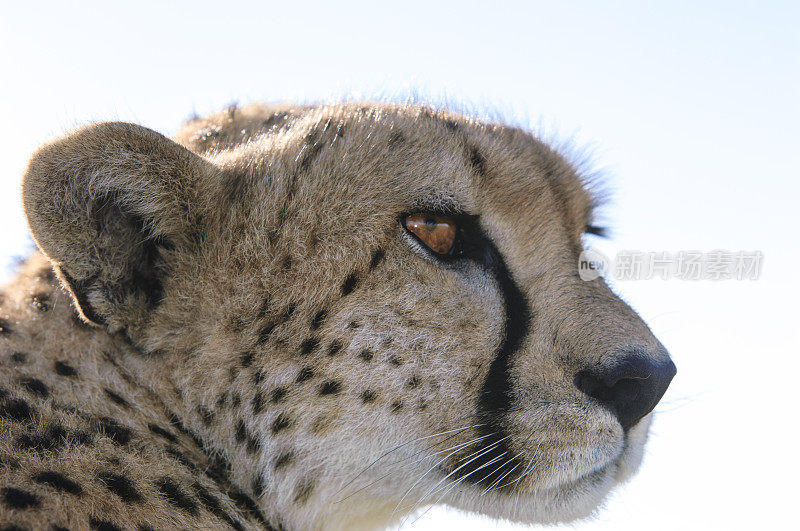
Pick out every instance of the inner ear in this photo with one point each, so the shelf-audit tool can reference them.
(109, 204)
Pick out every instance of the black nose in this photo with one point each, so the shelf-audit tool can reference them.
(630, 386)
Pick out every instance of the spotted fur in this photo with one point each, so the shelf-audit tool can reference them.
(234, 330)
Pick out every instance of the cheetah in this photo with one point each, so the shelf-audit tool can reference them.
(313, 317)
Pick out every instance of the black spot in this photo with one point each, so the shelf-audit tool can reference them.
(284, 459)
(212, 505)
(303, 492)
(158, 430)
(377, 256)
(58, 481)
(235, 186)
(281, 422)
(206, 415)
(176, 496)
(114, 430)
(309, 346)
(352, 325)
(20, 499)
(349, 284)
(264, 333)
(14, 527)
(16, 409)
(305, 373)
(368, 396)
(277, 395)
(103, 525)
(63, 369)
(53, 438)
(236, 400)
(121, 486)
(318, 319)
(253, 444)
(477, 161)
(452, 125)
(116, 398)
(413, 382)
(258, 403)
(334, 348)
(258, 377)
(290, 309)
(331, 387)
(394, 360)
(5, 328)
(34, 386)
(19, 357)
(180, 457)
(241, 431)
(40, 302)
(397, 405)
(396, 137)
(246, 359)
(258, 485)
(365, 355)
(247, 505)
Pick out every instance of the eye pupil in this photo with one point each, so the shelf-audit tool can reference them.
(438, 233)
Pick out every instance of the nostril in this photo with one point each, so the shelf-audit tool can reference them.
(630, 387)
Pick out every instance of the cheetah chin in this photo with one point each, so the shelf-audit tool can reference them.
(313, 317)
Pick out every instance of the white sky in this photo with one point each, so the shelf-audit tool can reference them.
(692, 111)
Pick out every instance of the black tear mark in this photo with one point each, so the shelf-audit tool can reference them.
(116, 398)
(34, 386)
(122, 486)
(102, 525)
(58, 481)
(281, 422)
(349, 284)
(16, 409)
(20, 499)
(176, 496)
(161, 432)
(331, 387)
(309, 346)
(318, 319)
(114, 430)
(63, 369)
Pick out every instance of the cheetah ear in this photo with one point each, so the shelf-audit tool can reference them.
(109, 204)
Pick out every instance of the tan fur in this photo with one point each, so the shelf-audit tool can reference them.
(254, 295)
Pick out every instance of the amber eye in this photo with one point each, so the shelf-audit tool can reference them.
(437, 232)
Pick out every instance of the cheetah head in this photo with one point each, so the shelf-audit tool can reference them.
(366, 309)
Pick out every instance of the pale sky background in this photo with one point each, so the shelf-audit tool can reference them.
(691, 110)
